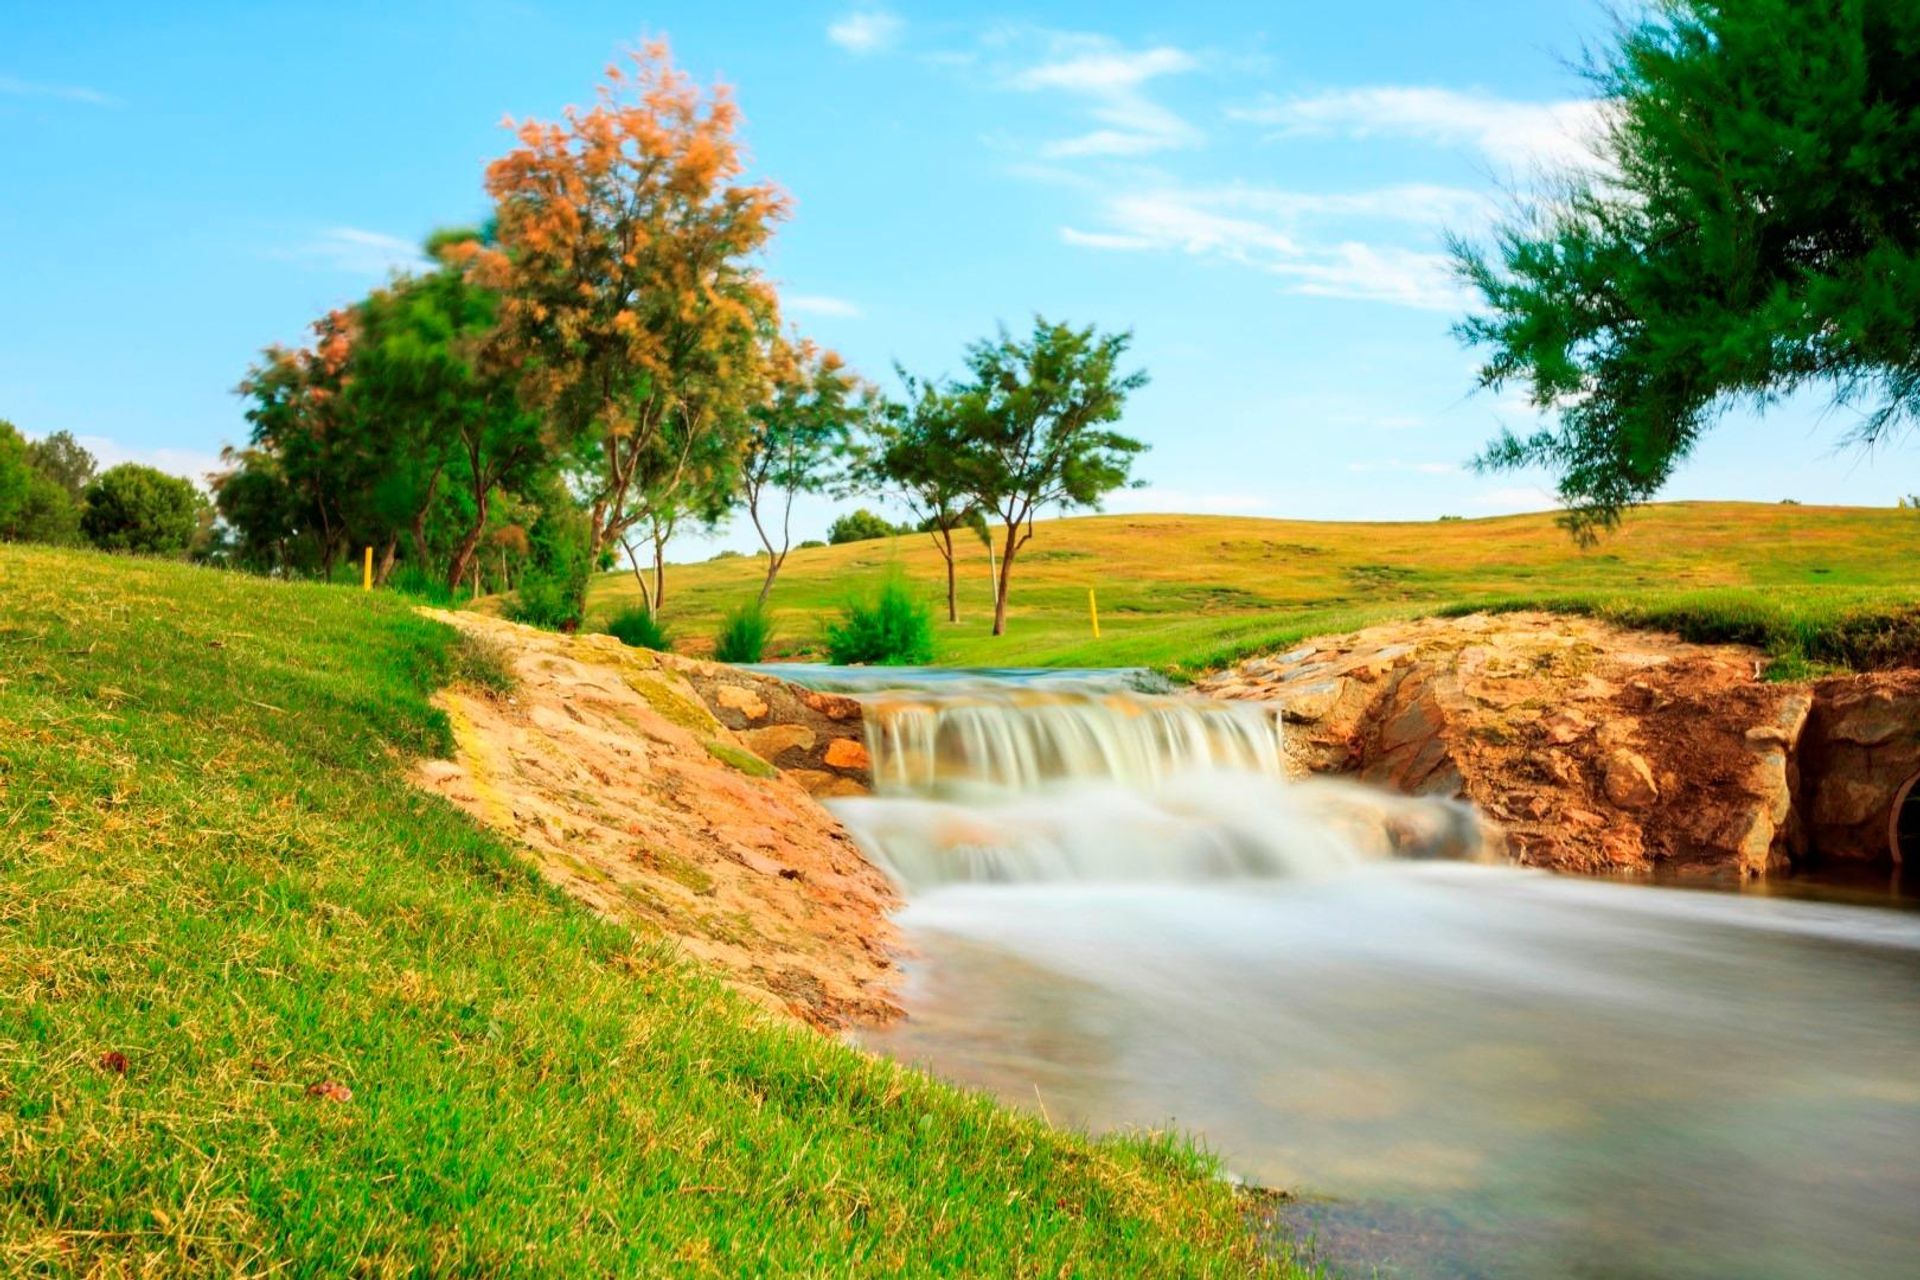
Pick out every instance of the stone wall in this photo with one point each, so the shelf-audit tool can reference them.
(1861, 748)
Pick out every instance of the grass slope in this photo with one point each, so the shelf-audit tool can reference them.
(216, 891)
(1814, 584)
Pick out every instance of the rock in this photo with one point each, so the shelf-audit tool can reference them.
(1846, 802)
(1869, 719)
(847, 753)
(1565, 725)
(776, 740)
(742, 699)
(1629, 780)
(1310, 702)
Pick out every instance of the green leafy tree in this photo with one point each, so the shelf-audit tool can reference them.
(34, 507)
(1034, 417)
(794, 441)
(917, 453)
(62, 459)
(1751, 232)
(136, 508)
(861, 525)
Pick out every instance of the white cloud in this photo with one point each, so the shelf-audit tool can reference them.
(1109, 72)
(866, 31)
(820, 304)
(1415, 468)
(1215, 222)
(18, 88)
(1112, 81)
(1160, 501)
(1517, 498)
(362, 253)
(1519, 134)
(189, 463)
(1104, 240)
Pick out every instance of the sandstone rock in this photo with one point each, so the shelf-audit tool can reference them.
(776, 740)
(1845, 802)
(1310, 702)
(1629, 780)
(1565, 725)
(847, 753)
(742, 699)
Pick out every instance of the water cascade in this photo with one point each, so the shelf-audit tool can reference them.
(1119, 909)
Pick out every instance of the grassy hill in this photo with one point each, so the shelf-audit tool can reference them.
(1189, 592)
(264, 1005)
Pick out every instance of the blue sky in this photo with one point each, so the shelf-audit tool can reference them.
(1258, 190)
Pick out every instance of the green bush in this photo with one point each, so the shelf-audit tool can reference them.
(744, 635)
(136, 508)
(893, 630)
(550, 600)
(861, 526)
(810, 544)
(418, 582)
(637, 628)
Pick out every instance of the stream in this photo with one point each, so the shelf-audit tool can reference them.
(1120, 915)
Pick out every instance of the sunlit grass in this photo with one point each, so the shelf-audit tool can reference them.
(218, 894)
(1185, 593)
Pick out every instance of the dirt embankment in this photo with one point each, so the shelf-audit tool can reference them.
(1599, 749)
(611, 768)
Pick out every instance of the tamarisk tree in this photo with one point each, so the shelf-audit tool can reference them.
(1753, 230)
(630, 306)
(1033, 419)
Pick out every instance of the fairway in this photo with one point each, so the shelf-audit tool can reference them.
(1187, 592)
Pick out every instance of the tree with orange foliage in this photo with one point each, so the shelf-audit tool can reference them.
(630, 308)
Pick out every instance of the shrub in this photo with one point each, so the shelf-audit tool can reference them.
(136, 508)
(744, 635)
(637, 628)
(727, 554)
(549, 600)
(893, 630)
(860, 526)
(810, 544)
(423, 584)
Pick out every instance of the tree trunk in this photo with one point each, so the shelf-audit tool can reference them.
(1006, 576)
(386, 562)
(463, 554)
(773, 571)
(417, 529)
(659, 572)
(953, 599)
(639, 576)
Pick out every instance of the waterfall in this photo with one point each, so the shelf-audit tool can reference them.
(1015, 784)
(1019, 740)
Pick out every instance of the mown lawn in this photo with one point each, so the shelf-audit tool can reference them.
(1185, 593)
(265, 1006)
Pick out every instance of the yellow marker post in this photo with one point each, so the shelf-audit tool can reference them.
(366, 574)
(1093, 612)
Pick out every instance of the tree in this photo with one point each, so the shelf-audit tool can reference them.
(919, 454)
(1033, 416)
(302, 420)
(136, 508)
(413, 375)
(1751, 232)
(861, 525)
(794, 440)
(60, 458)
(631, 306)
(34, 506)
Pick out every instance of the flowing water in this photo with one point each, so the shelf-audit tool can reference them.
(1120, 914)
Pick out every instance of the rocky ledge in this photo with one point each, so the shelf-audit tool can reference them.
(618, 773)
(1599, 749)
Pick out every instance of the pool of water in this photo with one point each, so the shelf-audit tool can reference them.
(1467, 1070)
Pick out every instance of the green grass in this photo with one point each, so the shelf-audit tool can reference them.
(213, 874)
(1187, 593)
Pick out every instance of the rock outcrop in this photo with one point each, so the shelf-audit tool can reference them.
(814, 738)
(1862, 748)
(1595, 749)
(608, 766)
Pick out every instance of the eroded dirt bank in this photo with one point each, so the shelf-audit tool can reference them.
(1599, 749)
(609, 766)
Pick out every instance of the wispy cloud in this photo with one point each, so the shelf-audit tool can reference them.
(188, 463)
(357, 252)
(866, 31)
(1513, 133)
(1274, 231)
(1111, 81)
(13, 86)
(820, 304)
(1396, 465)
